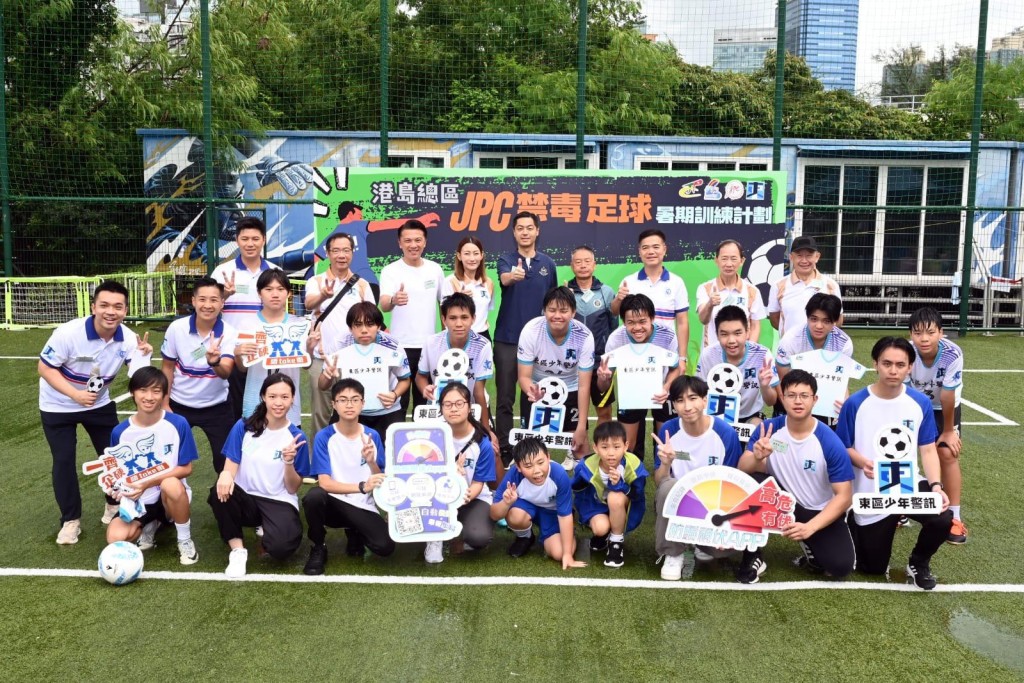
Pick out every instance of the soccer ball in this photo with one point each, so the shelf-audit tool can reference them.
(453, 363)
(894, 442)
(120, 563)
(555, 392)
(94, 385)
(725, 378)
(767, 265)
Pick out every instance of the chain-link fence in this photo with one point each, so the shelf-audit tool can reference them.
(134, 134)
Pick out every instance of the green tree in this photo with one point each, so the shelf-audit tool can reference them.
(724, 104)
(949, 107)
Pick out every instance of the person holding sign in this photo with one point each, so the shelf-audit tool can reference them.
(348, 461)
(728, 289)
(267, 457)
(197, 360)
(808, 460)
(645, 359)
(787, 299)
(608, 488)
(694, 439)
(158, 438)
(753, 360)
(593, 309)
(557, 345)
(376, 360)
(470, 278)
(534, 492)
(889, 404)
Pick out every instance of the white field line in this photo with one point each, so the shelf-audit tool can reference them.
(566, 582)
(1000, 420)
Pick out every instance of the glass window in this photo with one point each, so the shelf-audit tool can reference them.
(902, 228)
(753, 167)
(821, 186)
(720, 166)
(942, 228)
(860, 188)
(523, 163)
(685, 166)
(400, 161)
(492, 162)
(430, 162)
(571, 164)
(653, 165)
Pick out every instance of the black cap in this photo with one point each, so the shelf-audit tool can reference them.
(804, 242)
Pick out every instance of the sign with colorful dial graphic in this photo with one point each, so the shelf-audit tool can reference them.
(724, 507)
(422, 489)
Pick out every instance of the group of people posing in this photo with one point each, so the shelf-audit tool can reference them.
(544, 329)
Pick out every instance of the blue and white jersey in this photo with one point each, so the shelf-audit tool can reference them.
(196, 384)
(254, 376)
(554, 493)
(378, 365)
(240, 308)
(754, 355)
(668, 293)
(481, 358)
(807, 467)
(718, 445)
(483, 298)
(260, 463)
(169, 440)
(341, 459)
(78, 352)
(565, 360)
(864, 416)
(799, 341)
(944, 374)
(478, 464)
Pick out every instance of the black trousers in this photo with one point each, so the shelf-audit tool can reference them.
(236, 391)
(215, 421)
(323, 510)
(506, 380)
(413, 355)
(282, 528)
(477, 526)
(61, 432)
(874, 541)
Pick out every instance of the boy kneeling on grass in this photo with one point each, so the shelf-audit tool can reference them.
(534, 492)
(608, 487)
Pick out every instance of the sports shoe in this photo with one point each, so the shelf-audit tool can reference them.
(616, 557)
(259, 531)
(957, 533)
(903, 521)
(355, 546)
(68, 534)
(316, 561)
(701, 555)
(569, 463)
(457, 546)
(751, 568)
(147, 539)
(919, 574)
(261, 552)
(521, 545)
(109, 512)
(598, 544)
(187, 552)
(806, 560)
(672, 569)
(236, 563)
(434, 552)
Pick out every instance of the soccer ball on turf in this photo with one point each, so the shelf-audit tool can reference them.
(453, 363)
(120, 563)
(555, 392)
(894, 442)
(725, 378)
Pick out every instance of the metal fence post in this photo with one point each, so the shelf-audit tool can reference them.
(385, 55)
(581, 82)
(5, 179)
(780, 80)
(212, 236)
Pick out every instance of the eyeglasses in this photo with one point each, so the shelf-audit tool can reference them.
(801, 397)
(348, 400)
(339, 251)
(454, 405)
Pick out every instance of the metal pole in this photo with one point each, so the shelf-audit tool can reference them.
(581, 83)
(972, 173)
(385, 55)
(5, 179)
(780, 80)
(212, 236)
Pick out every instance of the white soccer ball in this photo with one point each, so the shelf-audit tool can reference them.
(767, 265)
(453, 363)
(555, 392)
(94, 385)
(120, 563)
(725, 378)
(894, 442)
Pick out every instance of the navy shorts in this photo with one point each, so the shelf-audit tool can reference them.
(546, 519)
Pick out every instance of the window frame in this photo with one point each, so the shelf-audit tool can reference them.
(702, 162)
(418, 154)
(593, 159)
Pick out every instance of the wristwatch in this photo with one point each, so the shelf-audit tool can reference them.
(362, 487)
(933, 484)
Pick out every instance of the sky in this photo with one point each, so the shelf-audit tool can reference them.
(883, 24)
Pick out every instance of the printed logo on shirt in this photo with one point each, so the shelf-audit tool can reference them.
(544, 271)
(909, 424)
(570, 354)
(810, 465)
(49, 352)
(749, 373)
(277, 456)
(940, 373)
(376, 360)
(167, 448)
(487, 365)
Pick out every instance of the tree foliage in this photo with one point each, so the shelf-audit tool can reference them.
(949, 107)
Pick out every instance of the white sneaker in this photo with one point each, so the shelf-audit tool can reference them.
(434, 552)
(187, 551)
(147, 539)
(569, 463)
(672, 569)
(236, 563)
(259, 532)
(109, 512)
(701, 555)
(68, 534)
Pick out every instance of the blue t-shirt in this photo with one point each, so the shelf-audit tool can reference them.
(593, 309)
(521, 302)
(553, 494)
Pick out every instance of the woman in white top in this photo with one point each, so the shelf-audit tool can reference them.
(471, 277)
(729, 289)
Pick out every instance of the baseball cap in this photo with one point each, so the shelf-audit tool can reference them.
(804, 242)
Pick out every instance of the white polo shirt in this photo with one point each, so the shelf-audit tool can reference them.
(412, 323)
(341, 458)
(744, 295)
(667, 292)
(789, 296)
(260, 463)
(334, 328)
(240, 308)
(196, 384)
(79, 352)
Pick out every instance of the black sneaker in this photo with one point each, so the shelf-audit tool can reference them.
(616, 557)
(806, 561)
(521, 545)
(317, 560)
(919, 574)
(356, 546)
(598, 544)
(751, 568)
(902, 521)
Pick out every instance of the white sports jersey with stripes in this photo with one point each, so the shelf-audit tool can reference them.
(240, 308)
(481, 358)
(668, 293)
(799, 341)
(753, 359)
(944, 374)
(548, 359)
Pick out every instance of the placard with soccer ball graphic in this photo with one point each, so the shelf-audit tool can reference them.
(896, 476)
(547, 416)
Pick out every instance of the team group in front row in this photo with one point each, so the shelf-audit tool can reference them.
(251, 416)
